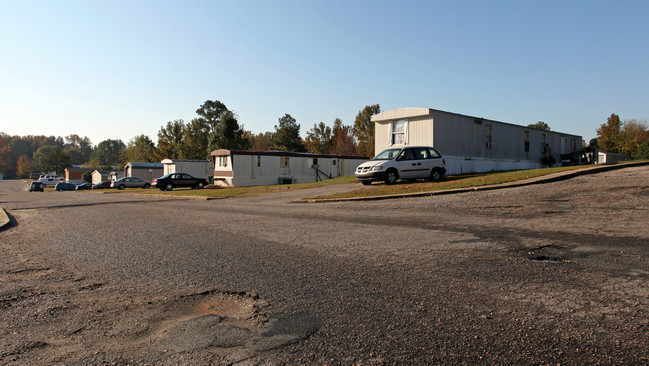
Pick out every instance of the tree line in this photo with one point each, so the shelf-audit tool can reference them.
(628, 137)
(215, 127)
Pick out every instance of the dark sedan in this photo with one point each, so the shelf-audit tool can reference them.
(101, 185)
(83, 186)
(174, 180)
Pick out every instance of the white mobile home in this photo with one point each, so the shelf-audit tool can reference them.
(472, 144)
(234, 168)
(195, 168)
(144, 171)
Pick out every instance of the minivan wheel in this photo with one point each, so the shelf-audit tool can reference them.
(391, 176)
(435, 175)
(169, 187)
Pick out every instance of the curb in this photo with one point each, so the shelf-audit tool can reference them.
(171, 197)
(538, 180)
(4, 219)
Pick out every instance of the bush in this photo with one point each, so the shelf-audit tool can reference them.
(643, 151)
(548, 160)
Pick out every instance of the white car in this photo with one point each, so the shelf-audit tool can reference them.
(409, 162)
(50, 179)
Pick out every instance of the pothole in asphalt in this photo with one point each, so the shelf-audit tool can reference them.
(222, 323)
(551, 253)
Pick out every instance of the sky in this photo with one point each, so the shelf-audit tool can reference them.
(122, 68)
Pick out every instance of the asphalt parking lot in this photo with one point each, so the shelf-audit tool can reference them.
(538, 274)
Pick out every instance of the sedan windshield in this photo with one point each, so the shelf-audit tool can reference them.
(388, 154)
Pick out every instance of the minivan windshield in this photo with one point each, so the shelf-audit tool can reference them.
(388, 154)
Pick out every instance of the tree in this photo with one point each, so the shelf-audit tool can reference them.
(87, 177)
(609, 135)
(261, 141)
(140, 149)
(51, 159)
(228, 134)
(364, 130)
(342, 140)
(79, 148)
(109, 152)
(318, 139)
(170, 140)
(211, 111)
(287, 135)
(540, 125)
(24, 166)
(633, 134)
(643, 151)
(5, 154)
(195, 140)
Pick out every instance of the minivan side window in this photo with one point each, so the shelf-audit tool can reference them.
(421, 153)
(406, 155)
(434, 154)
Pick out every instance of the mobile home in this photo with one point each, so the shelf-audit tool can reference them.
(472, 144)
(234, 168)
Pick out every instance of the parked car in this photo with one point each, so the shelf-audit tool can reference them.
(130, 182)
(101, 185)
(36, 187)
(64, 187)
(410, 162)
(174, 180)
(83, 186)
(51, 179)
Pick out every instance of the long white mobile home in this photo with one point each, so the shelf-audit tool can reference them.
(472, 144)
(235, 168)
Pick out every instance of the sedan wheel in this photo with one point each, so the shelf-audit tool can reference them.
(121, 187)
(169, 186)
(146, 186)
(200, 185)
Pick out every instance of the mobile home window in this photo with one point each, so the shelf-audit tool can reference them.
(527, 141)
(488, 136)
(223, 161)
(283, 162)
(398, 132)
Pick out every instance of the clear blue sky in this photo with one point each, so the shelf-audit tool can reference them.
(118, 69)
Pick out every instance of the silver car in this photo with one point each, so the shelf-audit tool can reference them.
(130, 182)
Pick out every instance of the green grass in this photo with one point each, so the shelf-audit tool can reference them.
(226, 192)
(377, 189)
(449, 182)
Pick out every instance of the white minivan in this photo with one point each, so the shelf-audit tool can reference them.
(409, 162)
